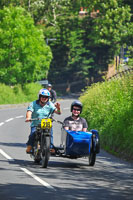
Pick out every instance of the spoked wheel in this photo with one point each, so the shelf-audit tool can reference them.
(36, 150)
(37, 160)
(45, 151)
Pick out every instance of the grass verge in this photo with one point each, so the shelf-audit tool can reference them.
(108, 108)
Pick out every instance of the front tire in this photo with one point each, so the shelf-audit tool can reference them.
(37, 156)
(45, 151)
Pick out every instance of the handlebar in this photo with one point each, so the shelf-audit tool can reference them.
(54, 120)
(57, 121)
(35, 119)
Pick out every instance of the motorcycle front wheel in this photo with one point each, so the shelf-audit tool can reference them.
(36, 154)
(45, 148)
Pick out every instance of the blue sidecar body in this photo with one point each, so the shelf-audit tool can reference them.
(80, 144)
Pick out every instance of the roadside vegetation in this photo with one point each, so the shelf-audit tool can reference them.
(18, 94)
(24, 56)
(54, 40)
(108, 108)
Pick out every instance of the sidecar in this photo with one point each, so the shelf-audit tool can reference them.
(77, 144)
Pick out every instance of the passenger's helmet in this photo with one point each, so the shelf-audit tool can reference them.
(76, 103)
(43, 92)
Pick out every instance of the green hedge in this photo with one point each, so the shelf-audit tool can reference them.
(19, 94)
(107, 106)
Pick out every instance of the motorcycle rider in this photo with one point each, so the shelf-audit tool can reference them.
(40, 108)
(75, 122)
(53, 95)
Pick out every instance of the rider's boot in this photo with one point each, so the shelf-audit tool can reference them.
(52, 151)
(29, 148)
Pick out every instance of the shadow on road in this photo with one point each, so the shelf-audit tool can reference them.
(13, 144)
(72, 180)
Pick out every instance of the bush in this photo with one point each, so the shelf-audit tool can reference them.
(31, 91)
(18, 94)
(108, 108)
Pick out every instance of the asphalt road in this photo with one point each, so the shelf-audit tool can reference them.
(64, 179)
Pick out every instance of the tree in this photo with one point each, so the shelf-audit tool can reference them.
(84, 45)
(89, 42)
(5, 3)
(47, 11)
(24, 55)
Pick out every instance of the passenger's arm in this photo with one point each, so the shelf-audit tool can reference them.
(84, 129)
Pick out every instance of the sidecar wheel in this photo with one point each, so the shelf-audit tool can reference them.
(92, 159)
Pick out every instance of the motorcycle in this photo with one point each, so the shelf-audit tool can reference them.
(73, 144)
(41, 147)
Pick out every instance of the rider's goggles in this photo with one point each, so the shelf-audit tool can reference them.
(44, 96)
(76, 109)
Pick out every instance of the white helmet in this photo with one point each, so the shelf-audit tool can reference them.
(43, 92)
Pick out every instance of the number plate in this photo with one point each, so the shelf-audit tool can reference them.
(46, 123)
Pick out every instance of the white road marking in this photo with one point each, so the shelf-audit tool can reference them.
(21, 116)
(37, 178)
(8, 120)
(66, 108)
(5, 155)
(1, 123)
(24, 169)
(28, 172)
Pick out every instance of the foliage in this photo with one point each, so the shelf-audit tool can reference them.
(100, 39)
(79, 59)
(84, 45)
(18, 94)
(130, 56)
(48, 11)
(111, 28)
(24, 56)
(113, 24)
(108, 108)
(70, 54)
